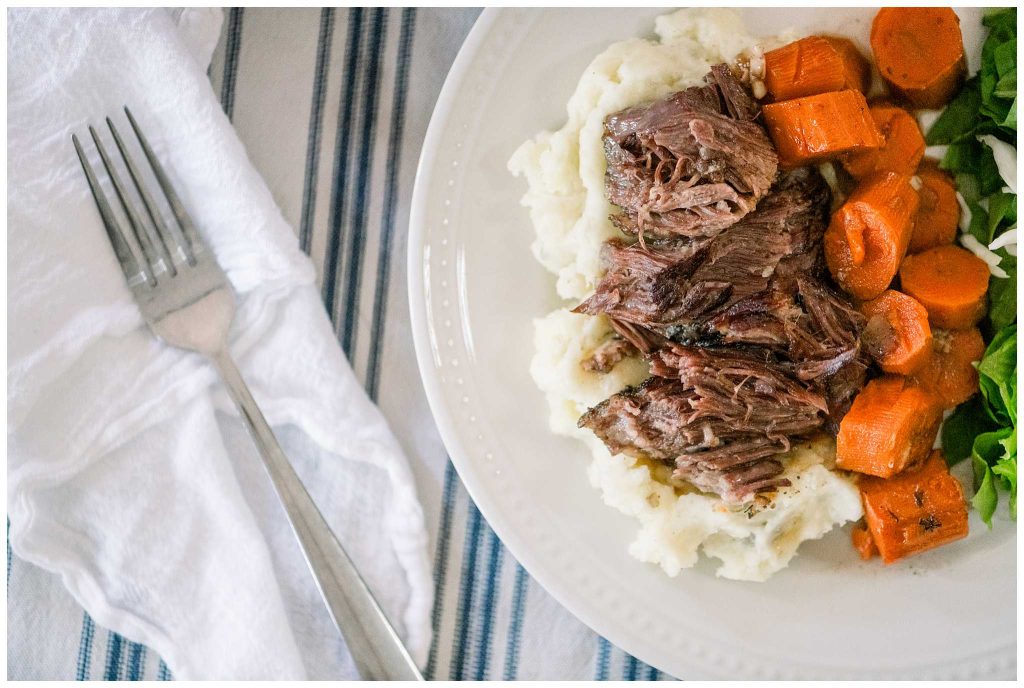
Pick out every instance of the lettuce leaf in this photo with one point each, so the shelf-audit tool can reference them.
(997, 78)
(1002, 294)
(974, 160)
(963, 426)
(989, 452)
(1007, 470)
(960, 119)
(985, 427)
(985, 499)
(1002, 212)
(999, 368)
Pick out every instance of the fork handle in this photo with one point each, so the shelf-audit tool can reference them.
(375, 647)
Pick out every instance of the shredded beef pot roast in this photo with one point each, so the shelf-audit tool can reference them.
(724, 291)
(690, 164)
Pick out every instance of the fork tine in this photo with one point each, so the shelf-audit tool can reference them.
(133, 270)
(138, 229)
(164, 237)
(193, 243)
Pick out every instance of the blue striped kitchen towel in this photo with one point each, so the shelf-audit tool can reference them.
(332, 105)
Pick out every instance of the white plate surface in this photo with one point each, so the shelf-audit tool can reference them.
(474, 290)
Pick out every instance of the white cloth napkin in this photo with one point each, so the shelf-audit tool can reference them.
(129, 472)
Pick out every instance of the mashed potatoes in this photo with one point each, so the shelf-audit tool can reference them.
(565, 175)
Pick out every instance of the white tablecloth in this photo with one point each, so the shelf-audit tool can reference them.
(333, 105)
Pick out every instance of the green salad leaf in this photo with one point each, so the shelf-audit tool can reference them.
(985, 499)
(1002, 210)
(960, 119)
(969, 420)
(998, 74)
(1002, 294)
(999, 368)
(1006, 469)
(985, 427)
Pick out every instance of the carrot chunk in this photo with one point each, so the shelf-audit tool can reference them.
(869, 234)
(918, 510)
(813, 65)
(950, 282)
(891, 425)
(902, 150)
(938, 214)
(863, 542)
(949, 372)
(897, 334)
(920, 53)
(821, 127)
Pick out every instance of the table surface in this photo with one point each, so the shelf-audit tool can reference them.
(333, 105)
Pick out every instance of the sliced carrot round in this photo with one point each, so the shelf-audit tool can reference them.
(868, 236)
(920, 53)
(813, 65)
(897, 334)
(949, 372)
(920, 509)
(820, 127)
(902, 150)
(938, 214)
(950, 282)
(891, 425)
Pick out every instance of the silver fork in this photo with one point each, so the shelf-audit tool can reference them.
(188, 303)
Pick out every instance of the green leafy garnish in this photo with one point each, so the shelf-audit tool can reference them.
(1002, 294)
(998, 74)
(985, 427)
(960, 118)
(1002, 211)
(985, 497)
(969, 420)
(1006, 469)
(999, 367)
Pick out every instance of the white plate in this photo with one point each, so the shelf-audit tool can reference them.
(474, 290)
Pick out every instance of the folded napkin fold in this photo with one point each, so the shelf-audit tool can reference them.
(129, 473)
